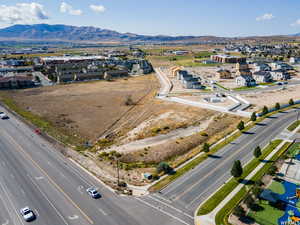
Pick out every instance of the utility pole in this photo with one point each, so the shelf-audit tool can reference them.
(118, 172)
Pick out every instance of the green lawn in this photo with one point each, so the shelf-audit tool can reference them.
(277, 187)
(294, 125)
(269, 214)
(294, 150)
(223, 215)
(211, 203)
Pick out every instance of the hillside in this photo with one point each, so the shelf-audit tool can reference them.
(74, 33)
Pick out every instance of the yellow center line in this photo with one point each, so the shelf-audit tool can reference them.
(22, 151)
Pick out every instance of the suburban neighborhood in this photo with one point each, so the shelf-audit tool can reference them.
(149, 117)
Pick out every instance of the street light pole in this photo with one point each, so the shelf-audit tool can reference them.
(118, 172)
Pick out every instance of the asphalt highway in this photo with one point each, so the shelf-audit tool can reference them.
(33, 173)
(197, 185)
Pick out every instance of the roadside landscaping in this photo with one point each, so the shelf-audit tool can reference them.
(294, 126)
(192, 164)
(218, 197)
(223, 215)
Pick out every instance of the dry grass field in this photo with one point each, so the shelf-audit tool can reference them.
(86, 109)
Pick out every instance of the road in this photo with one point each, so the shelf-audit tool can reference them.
(35, 174)
(190, 190)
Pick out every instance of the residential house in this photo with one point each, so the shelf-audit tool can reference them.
(242, 69)
(262, 77)
(223, 74)
(294, 60)
(261, 67)
(280, 75)
(281, 66)
(245, 81)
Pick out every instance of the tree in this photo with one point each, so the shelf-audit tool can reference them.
(256, 191)
(237, 169)
(163, 167)
(291, 102)
(277, 106)
(241, 125)
(206, 147)
(239, 211)
(265, 110)
(249, 201)
(253, 117)
(257, 152)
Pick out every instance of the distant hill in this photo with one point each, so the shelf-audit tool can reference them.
(74, 33)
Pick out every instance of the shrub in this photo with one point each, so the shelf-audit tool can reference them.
(239, 211)
(272, 171)
(291, 102)
(203, 134)
(163, 167)
(265, 110)
(129, 101)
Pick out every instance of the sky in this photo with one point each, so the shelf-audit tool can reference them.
(228, 18)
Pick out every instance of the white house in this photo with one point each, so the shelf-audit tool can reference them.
(245, 81)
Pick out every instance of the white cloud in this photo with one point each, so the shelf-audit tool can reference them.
(25, 13)
(97, 8)
(266, 16)
(296, 23)
(66, 8)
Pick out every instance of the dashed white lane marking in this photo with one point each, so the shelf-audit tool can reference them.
(39, 178)
(74, 217)
(162, 211)
(50, 203)
(170, 206)
(102, 211)
(80, 189)
(6, 222)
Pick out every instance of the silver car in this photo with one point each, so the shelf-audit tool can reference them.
(27, 214)
(93, 192)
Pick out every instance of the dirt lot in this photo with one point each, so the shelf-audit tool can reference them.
(86, 109)
(270, 98)
(97, 109)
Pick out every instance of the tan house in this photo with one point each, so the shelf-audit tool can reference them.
(242, 69)
(223, 74)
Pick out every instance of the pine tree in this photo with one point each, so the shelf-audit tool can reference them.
(237, 169)
(206, 147)
(257, 152)
(265, 110)
(253, 117)
(241, 125)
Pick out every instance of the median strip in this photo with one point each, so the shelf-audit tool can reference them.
(223, 214)
(166, 180)
(209, 205)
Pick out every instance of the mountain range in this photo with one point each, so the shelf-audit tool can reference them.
(85, 33)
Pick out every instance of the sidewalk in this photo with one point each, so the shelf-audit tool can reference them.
(209, 219)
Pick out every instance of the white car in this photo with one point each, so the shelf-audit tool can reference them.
(93, 192)
(27, 214)
(3, 116)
